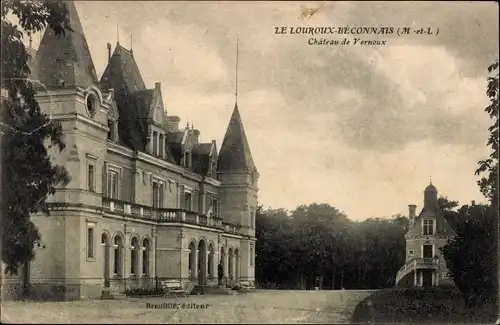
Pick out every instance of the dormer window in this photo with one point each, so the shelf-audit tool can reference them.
(211, 167)
(209, 171)
(161, 146)
(186, 160)
(428, 227)
(155, 143)
(111, 132)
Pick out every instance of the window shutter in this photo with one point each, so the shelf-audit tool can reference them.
(155, 195)
(108, 182)
(196, 203)
(120, 186)
(182, 203)
(208, 202)
(200, 204)
(161, 195)
(177, 198)
(114, 185)
(105, 180)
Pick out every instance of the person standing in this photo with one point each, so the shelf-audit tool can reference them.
(220, 272)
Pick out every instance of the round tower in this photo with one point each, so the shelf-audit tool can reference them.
(430, 196)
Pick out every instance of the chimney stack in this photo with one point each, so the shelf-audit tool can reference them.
(173, 123)
(109, 51)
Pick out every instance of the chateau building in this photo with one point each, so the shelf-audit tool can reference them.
(428, 233)
(147, 200)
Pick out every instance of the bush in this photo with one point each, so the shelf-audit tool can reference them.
(471, 256)
(420, 305)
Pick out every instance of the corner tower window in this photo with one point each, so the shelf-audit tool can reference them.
(91, 104)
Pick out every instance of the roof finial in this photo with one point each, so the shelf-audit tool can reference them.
(117, 35)
(131, 43)
(236, 79)
(187, 125)
(430, 179)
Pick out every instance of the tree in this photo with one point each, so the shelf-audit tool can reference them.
(471, 255)
(446, 204)
(489, 184)
(468, 256)
(448, 208)
(27, 174)
(318, 240)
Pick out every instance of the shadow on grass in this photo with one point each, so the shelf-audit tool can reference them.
(420, 305)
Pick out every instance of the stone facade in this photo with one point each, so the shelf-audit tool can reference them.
(147, 201)
(428, 233)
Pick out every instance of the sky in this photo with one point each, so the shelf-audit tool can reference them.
(362, 128)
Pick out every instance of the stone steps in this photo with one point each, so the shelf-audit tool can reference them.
(198, 290)
(107, 294)
(246, 289)
(119, 296)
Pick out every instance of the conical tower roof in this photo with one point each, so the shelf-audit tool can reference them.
(122, 72)
(235, 155)
(64, 60)
(132, 98)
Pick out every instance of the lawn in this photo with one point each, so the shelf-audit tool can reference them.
(422, 306)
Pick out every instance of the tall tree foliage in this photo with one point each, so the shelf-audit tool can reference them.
(472, 256)
(469, 255)
(27, 174)
(489, 183)
(318, 240)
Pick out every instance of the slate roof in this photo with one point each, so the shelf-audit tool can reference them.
(65, 60)
(132, 98)
(235, 155)
(202, 148)
(431, 209)
(175, 137)
(201, 163)
(143, 99)
(122, 71)
(201, 158)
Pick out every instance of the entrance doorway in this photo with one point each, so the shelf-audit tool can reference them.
(202, 263)
(426, 278)
(427, 253)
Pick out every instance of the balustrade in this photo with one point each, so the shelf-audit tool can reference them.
(203, 220)
(415, 264)
(191, 217)
(165, 215)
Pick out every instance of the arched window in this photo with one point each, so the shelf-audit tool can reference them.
(230, 266)
(211, 261)
(134, 256)
(192, 259)
(145, 257)
(237, 263)
(117, 270)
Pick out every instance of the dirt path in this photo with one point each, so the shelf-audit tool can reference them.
(266, 306)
